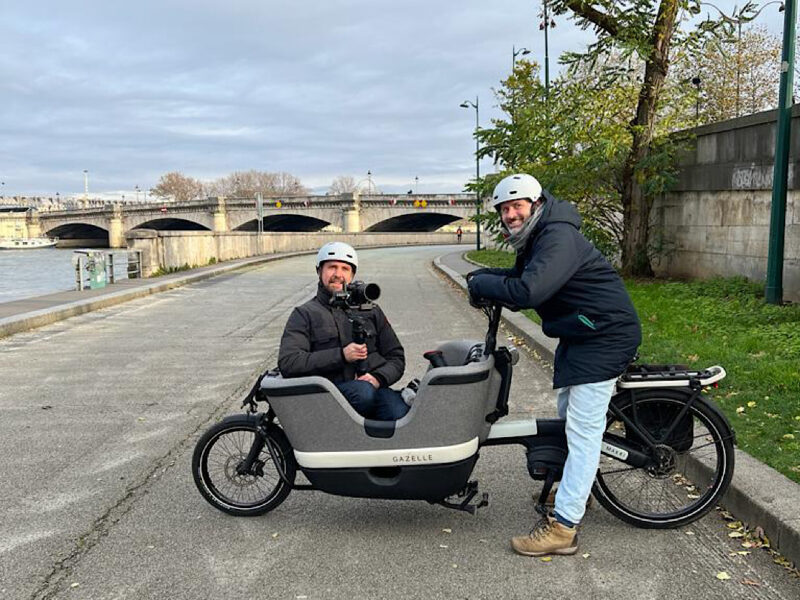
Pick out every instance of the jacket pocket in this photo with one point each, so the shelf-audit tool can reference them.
(323, 338)
(576, 325)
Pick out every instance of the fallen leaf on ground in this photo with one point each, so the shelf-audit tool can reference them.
(735, 534)
(689, 532)
(723, 576)
(747, 581)
(275, 534)
(740, 410)
(587, 555)
(788, 436)
(76, 584)
(442, 546)
(751, 404)
(447, 530)
(546, 558)
(743, 552)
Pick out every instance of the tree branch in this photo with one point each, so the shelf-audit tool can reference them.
(603, 21)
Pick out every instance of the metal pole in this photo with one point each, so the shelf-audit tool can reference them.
(477, 177)
(546, 53)
(777, 223)
(85, 184)
(738, 65)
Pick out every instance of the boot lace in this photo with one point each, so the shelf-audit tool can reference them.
(540, 529)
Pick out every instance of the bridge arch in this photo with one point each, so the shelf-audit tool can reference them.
(416, 221)
(79, 231)
(285, 222)
(172, 224)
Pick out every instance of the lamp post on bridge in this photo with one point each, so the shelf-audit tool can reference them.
(468, 104)
(85, 184)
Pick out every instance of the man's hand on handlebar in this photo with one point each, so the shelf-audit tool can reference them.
(354, 352)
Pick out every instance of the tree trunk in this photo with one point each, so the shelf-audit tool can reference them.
(636, 205)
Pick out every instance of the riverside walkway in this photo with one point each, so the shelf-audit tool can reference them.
(100, 413)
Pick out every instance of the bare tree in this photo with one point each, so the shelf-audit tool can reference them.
(737, 76)
(343, 184)
(246, 184)
(178, 187)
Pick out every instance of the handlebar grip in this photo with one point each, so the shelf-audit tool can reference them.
(435, 357)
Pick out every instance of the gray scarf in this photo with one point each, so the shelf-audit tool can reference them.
(519, 239)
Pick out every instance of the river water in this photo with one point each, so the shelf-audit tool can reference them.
(28, 273)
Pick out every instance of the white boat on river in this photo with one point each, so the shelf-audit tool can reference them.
(27, 243)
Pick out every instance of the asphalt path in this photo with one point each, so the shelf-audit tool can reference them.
(99, 415)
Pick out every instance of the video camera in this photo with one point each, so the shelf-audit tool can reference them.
(356, 295)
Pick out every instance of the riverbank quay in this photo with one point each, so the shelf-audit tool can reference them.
(759, 496)
(170, 250)
(29, 313)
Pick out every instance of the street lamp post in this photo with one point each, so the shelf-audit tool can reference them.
(780, 172)
(136, 187)
(468, 104)
(547, 23)
(416, 185)
(85, 184)
(516, 52)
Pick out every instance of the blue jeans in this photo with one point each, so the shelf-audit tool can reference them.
(584, 407)
(383, 404)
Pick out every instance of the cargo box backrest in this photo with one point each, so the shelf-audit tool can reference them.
(450, 408)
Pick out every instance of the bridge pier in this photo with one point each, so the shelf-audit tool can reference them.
(220, 214)
(32, 223)
(351, 213)
(116, 231)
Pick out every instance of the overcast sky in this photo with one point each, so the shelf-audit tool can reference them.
(132, 90)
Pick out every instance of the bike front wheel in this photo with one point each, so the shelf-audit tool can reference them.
(217, 466)
(691, 466)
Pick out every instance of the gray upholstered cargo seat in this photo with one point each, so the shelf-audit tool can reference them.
(450, 409)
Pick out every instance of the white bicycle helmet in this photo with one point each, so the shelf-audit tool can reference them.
(338, 251)
(515, 187)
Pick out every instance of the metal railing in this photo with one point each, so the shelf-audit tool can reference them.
(95, 268)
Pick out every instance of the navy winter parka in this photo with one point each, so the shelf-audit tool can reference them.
(579, 296)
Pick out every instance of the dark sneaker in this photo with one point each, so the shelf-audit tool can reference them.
(548, 536)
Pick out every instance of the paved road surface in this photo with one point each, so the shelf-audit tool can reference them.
(99, 415)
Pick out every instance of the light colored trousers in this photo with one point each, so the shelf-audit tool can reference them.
(584, 407)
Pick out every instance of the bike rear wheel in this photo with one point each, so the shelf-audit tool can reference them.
(692, 466)
(217, 467)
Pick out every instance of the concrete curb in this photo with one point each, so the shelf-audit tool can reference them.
(758, 495)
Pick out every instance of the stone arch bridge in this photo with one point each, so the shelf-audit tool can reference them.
(347, 213)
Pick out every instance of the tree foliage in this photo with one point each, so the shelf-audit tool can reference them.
(576, 141)
(646, 32)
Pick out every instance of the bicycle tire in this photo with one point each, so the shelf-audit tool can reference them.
(664, 497)
(222, 448)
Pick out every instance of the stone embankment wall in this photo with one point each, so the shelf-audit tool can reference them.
(173, 249)
(716, 219)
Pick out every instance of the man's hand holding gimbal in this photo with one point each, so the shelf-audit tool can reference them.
(354, 352)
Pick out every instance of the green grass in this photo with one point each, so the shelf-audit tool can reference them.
(726, 322)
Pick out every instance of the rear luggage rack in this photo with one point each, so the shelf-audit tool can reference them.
(652, 376)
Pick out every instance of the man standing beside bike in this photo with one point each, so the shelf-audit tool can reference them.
(319, 340)
(582, 301)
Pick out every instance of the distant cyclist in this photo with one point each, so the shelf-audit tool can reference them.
(582, 301)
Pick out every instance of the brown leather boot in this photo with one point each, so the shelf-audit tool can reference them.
(548, 536)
